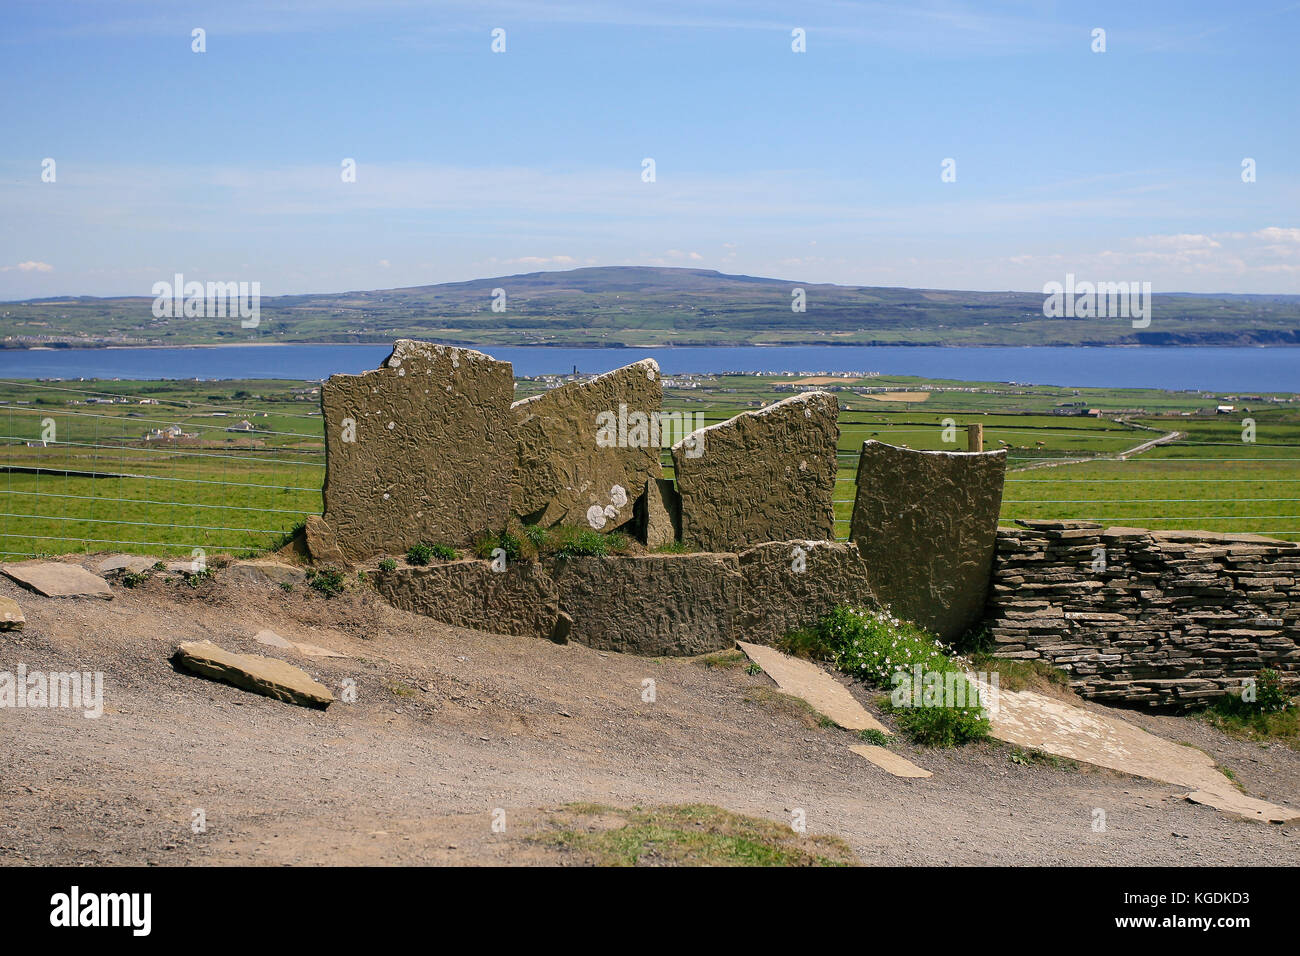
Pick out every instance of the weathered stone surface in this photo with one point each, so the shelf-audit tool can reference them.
(926, 523)
(11, 615)
(126, 562)
(811, 684)
(1053, 726)
(766, 475)
(663, 513)
(56, 580)
(272, 639)
(585, 450)
(790, 584)
(266, 573)
(431, 459)
(1156, 619)
(322, 545)
(520, 600)
(652, 604)
(261, 675)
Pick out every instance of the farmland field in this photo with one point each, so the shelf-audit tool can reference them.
(83, 468)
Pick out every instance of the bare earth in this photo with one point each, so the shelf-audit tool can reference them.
(450, 725)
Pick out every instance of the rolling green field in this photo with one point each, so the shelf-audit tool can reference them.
(97, 484)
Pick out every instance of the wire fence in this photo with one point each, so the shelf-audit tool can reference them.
(90, 469)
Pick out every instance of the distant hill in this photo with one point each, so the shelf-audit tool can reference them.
(641, 306)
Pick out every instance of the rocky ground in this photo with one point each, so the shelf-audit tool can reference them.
(453, 729)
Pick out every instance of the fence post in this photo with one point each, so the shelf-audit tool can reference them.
(975, 437)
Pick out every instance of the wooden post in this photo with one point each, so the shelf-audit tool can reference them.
(975, 437)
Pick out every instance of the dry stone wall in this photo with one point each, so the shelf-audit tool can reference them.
(1162, 619)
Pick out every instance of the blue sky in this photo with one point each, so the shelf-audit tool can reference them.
(822, 166)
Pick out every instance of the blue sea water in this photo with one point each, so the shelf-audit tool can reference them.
(1215, 369)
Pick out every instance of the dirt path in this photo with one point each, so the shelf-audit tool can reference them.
(451, 725)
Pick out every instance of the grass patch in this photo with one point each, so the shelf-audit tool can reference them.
(687, 835)
(785, 705)
(722, 660)
(387, 564)
(873, 736)
(1272, 716)
(1024, 674)
(1027, 756)
(326, 581)
(567, 541)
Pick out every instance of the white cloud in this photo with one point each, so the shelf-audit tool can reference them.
(29, 266)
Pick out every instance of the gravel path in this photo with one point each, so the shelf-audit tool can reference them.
(450, 725)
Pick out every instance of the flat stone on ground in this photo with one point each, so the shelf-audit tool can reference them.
(263, 573)
(261, 675)
(272, 639)
(312, 650)
(1053, 726)
(889, 761)
(11, 615)
(126, 562)
(56, 580)
(808, 682)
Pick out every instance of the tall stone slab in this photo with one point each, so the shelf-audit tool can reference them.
(926, 524)
(767, 475)
(419, 449)
(584, 451)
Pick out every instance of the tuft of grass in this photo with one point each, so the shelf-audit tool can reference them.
(286, 586)
(326, 581)
(195, 578)
(786, 705)
(1024, 674)
(517, 548)
(419, 554)
(388, 564)
(131, 579)
(873, 736)
(567, 541)
(401, 690)
(687, 835)
(722, 659)
(1272, 715)
(674, 547)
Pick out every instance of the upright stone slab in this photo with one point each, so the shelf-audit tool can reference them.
(651, 604)
(790, 584)
(926, 524)
(585, 450)
(419, 449)
(767, 475)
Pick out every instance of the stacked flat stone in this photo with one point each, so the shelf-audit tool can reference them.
(1170, 619)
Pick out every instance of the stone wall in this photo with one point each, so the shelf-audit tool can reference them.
(1162, 619)
(649, 604)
